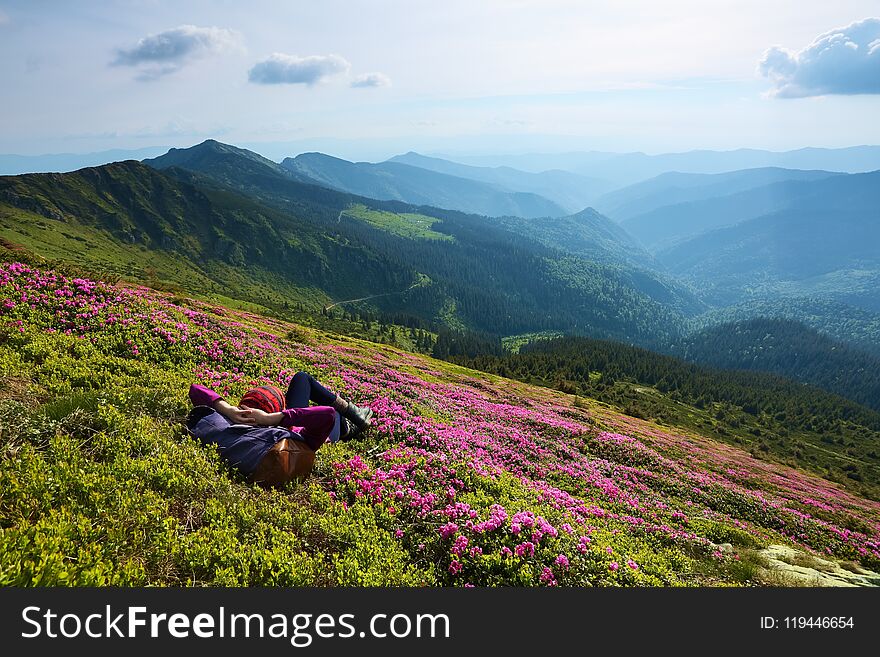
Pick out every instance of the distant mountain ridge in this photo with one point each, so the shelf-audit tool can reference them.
(572, 191)
(628, 168)
(664, 227)
(11, 165)
(418, 186)
(222, 161)
(826, 244)
(588, 234)
(618, 169)
(675, 187)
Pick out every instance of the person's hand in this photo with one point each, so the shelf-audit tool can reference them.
(240, 415)
(261, 418)
(232, 413)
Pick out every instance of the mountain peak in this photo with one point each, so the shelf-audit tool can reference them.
(316, 156)
(211, 154)
(214, 146)
(208, 144)
(587, 213)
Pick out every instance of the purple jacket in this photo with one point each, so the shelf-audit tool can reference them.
(241, 445)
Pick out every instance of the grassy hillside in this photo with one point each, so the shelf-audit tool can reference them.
(466, 479)
(131, 220)
(410, 225)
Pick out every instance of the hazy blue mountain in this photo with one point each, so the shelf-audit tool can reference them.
(401, 182)
(572, 191)
(666, 226)
(535, 162)
(675, 187)
(63, 162)
(628, 168)
(790, 349)
(825, 244)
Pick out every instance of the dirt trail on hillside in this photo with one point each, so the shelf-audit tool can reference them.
(372, 296)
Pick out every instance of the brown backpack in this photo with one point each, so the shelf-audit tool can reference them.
(288, 460)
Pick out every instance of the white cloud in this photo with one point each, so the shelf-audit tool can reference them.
(510, 123)
(4, 19)
(159, 54)
(844, 61)
(280, 68)
(371, 80)
(173, 128)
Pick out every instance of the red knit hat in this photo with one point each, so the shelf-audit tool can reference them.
(267, 398)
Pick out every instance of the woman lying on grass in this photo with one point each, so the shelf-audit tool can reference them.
(272, 437)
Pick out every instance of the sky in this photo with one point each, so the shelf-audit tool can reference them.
(366, 80)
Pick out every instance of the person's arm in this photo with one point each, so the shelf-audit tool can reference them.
(201, 396)
(263, 419)
(316, 421)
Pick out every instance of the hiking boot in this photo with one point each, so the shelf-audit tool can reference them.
(359, 417)
(351, 431)
(347, 430)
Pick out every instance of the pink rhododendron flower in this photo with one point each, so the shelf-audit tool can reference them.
(547, 577)
(448, 530)
(525, 549)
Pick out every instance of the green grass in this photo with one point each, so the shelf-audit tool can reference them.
(409, 225)
(513, 343)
